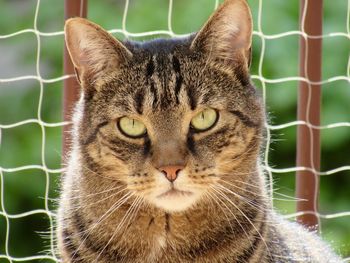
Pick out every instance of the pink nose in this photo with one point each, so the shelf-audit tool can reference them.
(171, 171)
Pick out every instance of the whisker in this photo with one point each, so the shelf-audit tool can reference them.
(129, 214)
(239, 173)
(224, 196)
(261, 196)
(113, 208)
(78, 206)
(246, 183)
(291, 198)
(250, 202)
(94, 194)
(214, 198)
(244, 189)
(100, 175)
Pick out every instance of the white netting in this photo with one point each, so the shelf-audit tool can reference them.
(257, 7)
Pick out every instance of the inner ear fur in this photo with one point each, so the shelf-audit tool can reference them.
(94, 52)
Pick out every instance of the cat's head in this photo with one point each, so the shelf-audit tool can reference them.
(170, 118)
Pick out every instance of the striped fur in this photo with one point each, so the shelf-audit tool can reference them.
(111, 207)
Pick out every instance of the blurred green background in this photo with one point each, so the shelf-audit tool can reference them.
(30, 144)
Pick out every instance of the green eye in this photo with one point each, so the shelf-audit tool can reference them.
(204, 120)
(131, 127)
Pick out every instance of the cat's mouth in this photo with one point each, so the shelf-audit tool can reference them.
(173, 199)
(173, 192)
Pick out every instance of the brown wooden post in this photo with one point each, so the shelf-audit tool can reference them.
(71, 90)
(309, 105)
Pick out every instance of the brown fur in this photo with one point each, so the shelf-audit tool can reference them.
(108, 211)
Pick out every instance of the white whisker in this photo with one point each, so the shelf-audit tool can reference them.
(290, 198)
(246, 217)
(130, 213)
(94, 194)
(240, 225)
(113, 208)
(99, 175)
(77, 207)
(250, 202)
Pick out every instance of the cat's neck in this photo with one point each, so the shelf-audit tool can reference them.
(206, 228)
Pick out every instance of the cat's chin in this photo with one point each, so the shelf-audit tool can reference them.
(175, 200)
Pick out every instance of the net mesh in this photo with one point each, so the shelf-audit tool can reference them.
(48, 213)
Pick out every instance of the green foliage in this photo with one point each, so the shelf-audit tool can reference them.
(25, 190)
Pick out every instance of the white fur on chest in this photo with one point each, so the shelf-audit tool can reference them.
(159, 246)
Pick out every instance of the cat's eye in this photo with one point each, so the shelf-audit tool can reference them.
(131, 127)
(204, 120)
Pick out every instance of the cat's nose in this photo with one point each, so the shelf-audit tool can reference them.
(171, 171)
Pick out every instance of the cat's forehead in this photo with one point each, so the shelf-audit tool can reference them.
(165, 76)
(157, 78)
(160, 46)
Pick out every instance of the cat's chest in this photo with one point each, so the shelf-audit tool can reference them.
(157, 249)
(161, 242)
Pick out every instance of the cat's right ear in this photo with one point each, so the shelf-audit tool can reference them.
(94, 52)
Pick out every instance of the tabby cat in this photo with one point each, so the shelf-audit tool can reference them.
(165, 157)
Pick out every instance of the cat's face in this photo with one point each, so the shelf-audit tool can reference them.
(169, 119)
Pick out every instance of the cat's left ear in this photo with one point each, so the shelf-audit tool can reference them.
(95, 53)
(227, 35)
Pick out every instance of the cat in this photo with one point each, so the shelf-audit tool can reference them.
(165, 163)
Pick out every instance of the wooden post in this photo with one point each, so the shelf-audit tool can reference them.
(309, 105)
